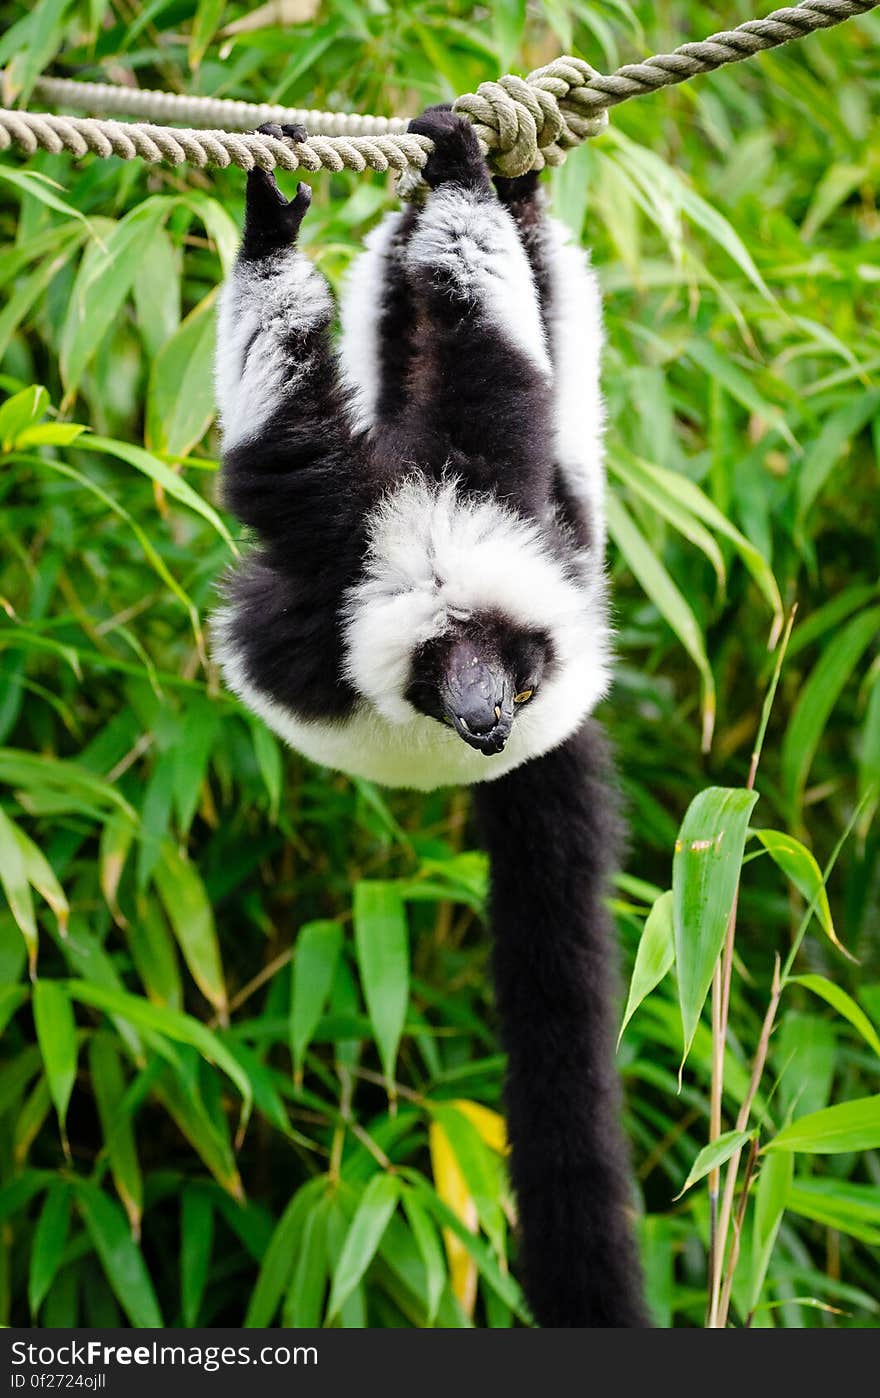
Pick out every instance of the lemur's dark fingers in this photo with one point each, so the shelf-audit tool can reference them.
(456, 157)
(299, 205)
(271, 222)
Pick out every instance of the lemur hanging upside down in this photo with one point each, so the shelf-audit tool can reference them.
(426, 606)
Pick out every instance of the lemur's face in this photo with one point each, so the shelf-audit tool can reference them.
(477, 677)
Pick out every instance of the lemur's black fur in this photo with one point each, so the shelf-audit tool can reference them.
(456, 398)
(552, 831)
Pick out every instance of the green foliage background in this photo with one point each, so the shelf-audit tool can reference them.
(255, 1074)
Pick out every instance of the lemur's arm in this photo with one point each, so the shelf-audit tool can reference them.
(377, 314)
(480, 380)
(292, 468)
(572, 316)
(286, 435)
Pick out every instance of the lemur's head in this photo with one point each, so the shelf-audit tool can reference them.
(477, 676)
(469, 615)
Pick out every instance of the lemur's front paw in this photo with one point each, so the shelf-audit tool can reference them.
(272, 222)
(456, 157)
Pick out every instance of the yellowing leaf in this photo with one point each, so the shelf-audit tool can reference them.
(491, 1125)
(450, 1185)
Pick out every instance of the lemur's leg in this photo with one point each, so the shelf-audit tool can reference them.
(377, 316)
(291, 467)
(572, 315)
(480, 382)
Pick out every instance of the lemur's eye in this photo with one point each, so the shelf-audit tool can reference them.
(523, 697)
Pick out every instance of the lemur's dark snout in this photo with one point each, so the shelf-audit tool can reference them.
(478, 699)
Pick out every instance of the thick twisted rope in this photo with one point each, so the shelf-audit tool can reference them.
(523, 123)
(32, 131)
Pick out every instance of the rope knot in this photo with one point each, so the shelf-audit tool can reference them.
(527, 123)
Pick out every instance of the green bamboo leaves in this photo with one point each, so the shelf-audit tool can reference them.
(56, 1035)
(189, 911)
(24, 867)
(835, 1130)
(180, 399)
(667, 598)
(318, 946)
(655, 955)
(106, 276)
(377, 1204)
(705, 876)
(817, 699)
(382, 946)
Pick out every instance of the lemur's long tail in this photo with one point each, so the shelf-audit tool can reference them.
(552, 833)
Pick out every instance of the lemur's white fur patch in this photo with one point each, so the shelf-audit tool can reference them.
(436, 556)
(472, 243)
(360, 310)
(576, 338)
(259, 307)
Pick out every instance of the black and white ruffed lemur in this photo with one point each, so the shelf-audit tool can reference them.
(426, 606)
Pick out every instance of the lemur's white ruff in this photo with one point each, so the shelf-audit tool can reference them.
(435, 557)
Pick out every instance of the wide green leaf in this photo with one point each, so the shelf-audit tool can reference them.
(108, 1083)
(196, 1242)
(56, 1035)
(799, 865)
(705, 877)
(17, 888)
(655, 956)
(654, 578)
(50, 1241)
(376, 1205)
(164, 476)
(818, 698)
(382, 945)
(180, 397)
(771, 1200)
(281, 1255)
(106, 275)
(158, 1018)
(713, 1155)
(430, 1249)
(840, 1204)
(835, 996)
(841, 1128)
(316, 957)
(121, 1258)
(191, 916)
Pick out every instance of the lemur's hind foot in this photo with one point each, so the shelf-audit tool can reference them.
(271, 222)
(523, 189)
(456, 157)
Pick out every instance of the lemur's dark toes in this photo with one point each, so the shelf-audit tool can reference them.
(456, 157)
(299, 205)
(292, 133)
